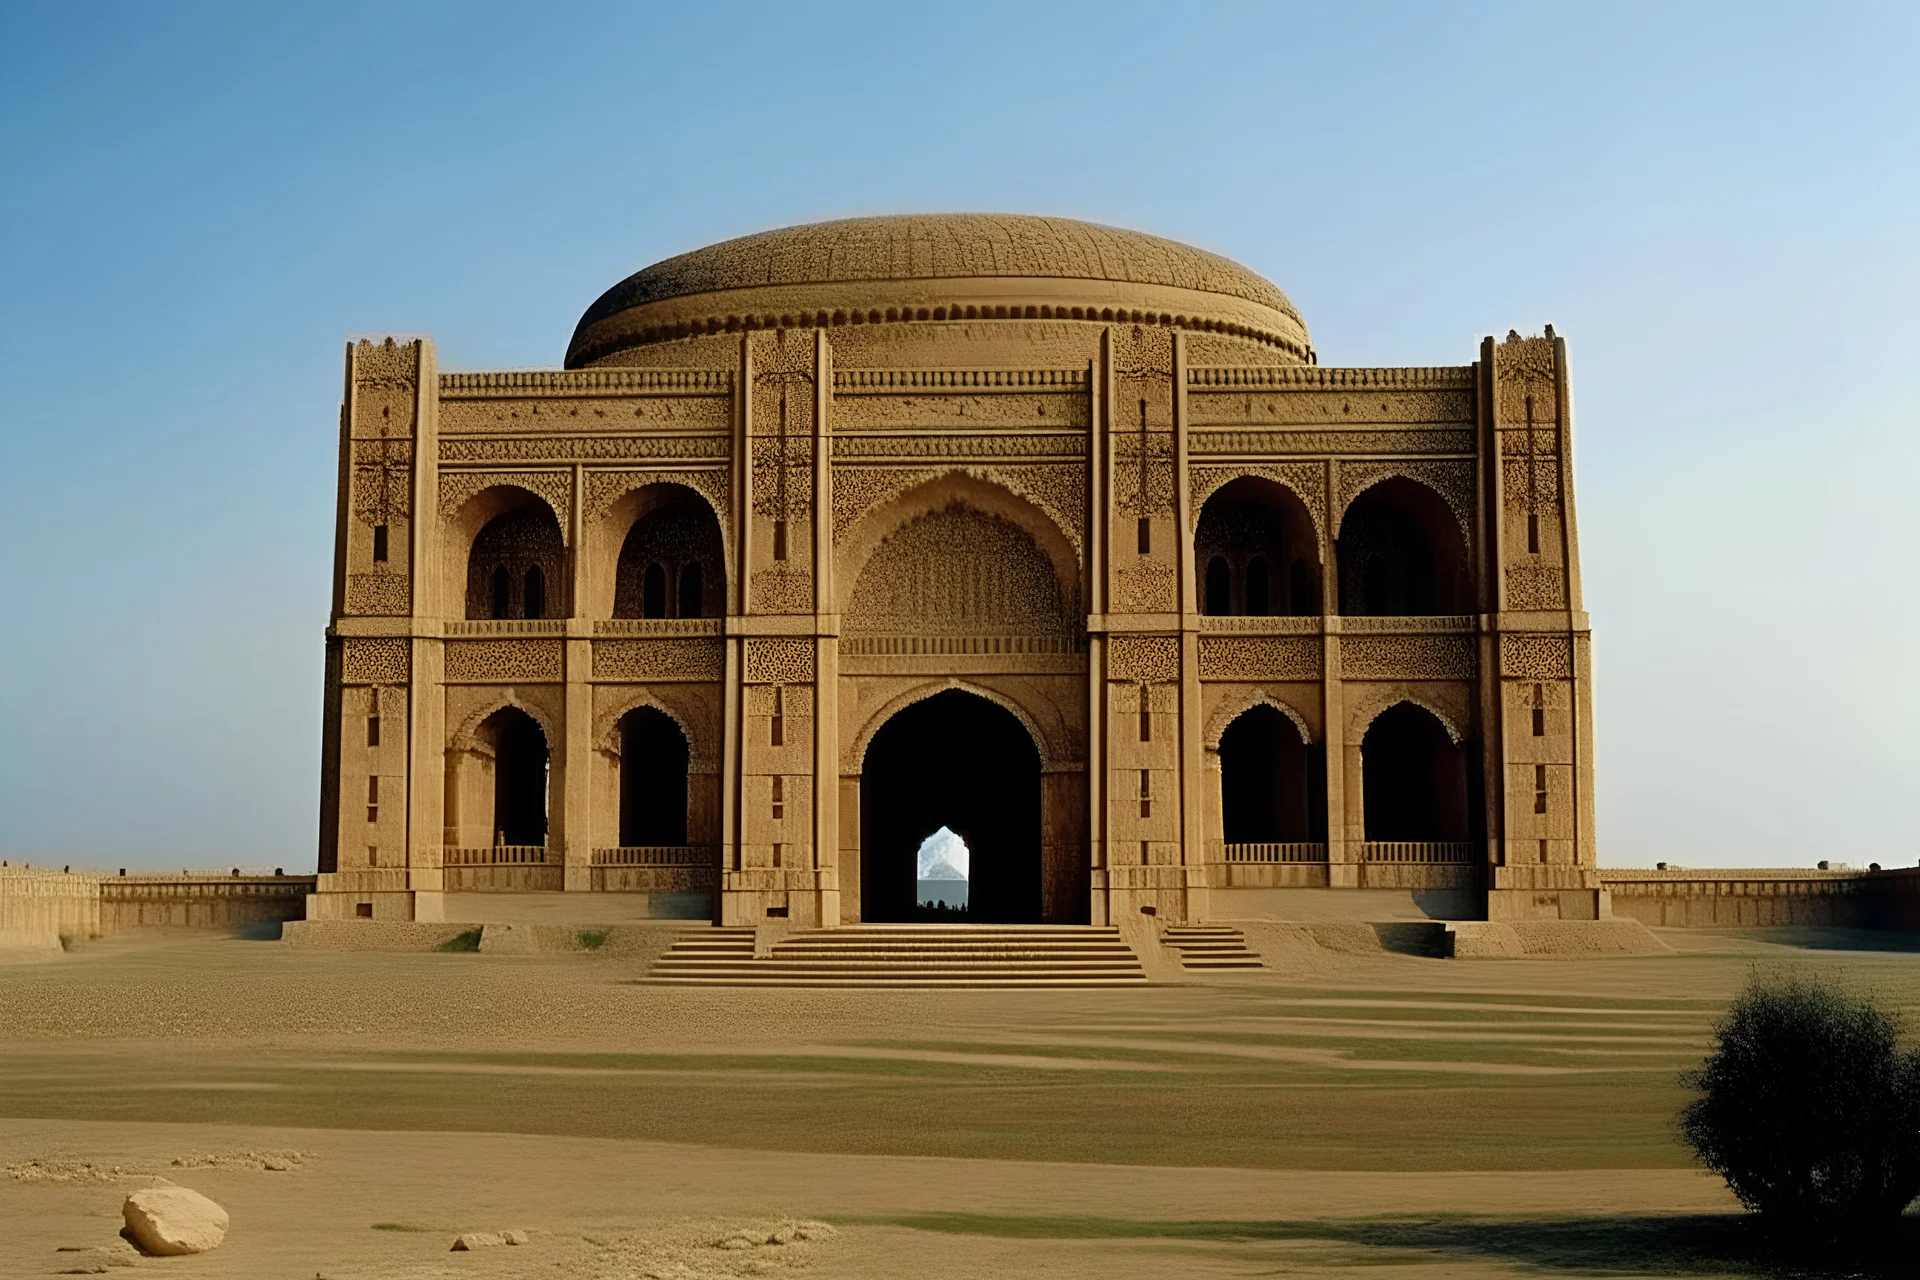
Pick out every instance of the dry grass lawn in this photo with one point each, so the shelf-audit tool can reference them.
(1421, 1117)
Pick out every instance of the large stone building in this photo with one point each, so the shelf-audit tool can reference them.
(1055, 535)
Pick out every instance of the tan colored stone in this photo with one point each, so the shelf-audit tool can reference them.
(168, 1220)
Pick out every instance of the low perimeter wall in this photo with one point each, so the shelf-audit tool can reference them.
(200, 902)
(40, 908)
(1712, 898)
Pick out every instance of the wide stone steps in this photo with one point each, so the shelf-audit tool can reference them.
(1210, 946)
(907, 956)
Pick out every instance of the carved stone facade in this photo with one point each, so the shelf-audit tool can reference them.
(790, 488)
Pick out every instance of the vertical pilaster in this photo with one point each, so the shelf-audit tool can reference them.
(826, 648)
(1099, 526)
(1344, 843)
(1490, 526)
(1193, 816)
(426, 694)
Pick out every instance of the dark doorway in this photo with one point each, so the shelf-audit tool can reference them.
(653, 779)
(1401, 554)
(519, 777)
(1273, 785)
(1414, 778)
(958, 761)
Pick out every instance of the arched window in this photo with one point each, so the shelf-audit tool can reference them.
(1219, 588)
(653, 779)
(1259, 589)
(690, 590)
(1273, 785)
(1402, 554)
(654, 604)
(1416, 781)
(502, 592)
(534, 602)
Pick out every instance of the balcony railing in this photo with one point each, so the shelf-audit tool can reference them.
(1286, 851)
(660, 627)
(658, 855)
(499, 855)
(1424, 851)
(891, 645)
(508, 627)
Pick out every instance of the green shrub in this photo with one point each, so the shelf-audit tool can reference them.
(593, 939)
(1809, 1108)
(468, 941)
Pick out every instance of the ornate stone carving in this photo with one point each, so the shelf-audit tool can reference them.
(1143, 659)
(1061, 492)
(604, 488)
(692, 448)
(858, 490)
(1143, 489)
(375, 661)
(456, 487)
(379, 595)
(1536, 587)
(709, 413)
(781, 590)
(1451, 478)
(382, 480)
(1407, 657)
(519, 384)
(1145, 587)
(666, 659)
(1008, 444)
(1308, 480)
(783, 489)
(779, 660)
(1258, 443)
(959, 571)
(1542, 485)
(1536, 657)
(1321, 377)
(1260, 658)
(691, 706)
(504, 661)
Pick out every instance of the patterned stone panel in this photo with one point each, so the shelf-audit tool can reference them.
(1000, 410)
(858, 490)
(604, 488)
(382, 480)
(1260, 658)
(782, 476)
(1536, 657)
(667, 659)
(1451, 478)
(1407, 657)
(1539, 481)
(780, 590)
(537, 415)
(958, 571)
(994, 445)
(1207, 443)
(504, 661)
(1138, 659)
(779, 660)
(1142, 488)
(385, 378)
(457, 487)
(384, 661)
(1524, 368)
(379, 595)
(459, 449)
(1307, 480)
(1145, 588)
(1536, 587)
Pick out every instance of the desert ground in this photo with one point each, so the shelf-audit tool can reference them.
(1341, 1114)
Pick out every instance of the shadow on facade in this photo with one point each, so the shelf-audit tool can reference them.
(959, 761)
(1273, 785)
(653, 779)
(1418, 783)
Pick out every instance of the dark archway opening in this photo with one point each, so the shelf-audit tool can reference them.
(520, 768)
(653, 779)
(1416, 779)
(670, 563)
(1401, 554)
(959, 761)
(1251, 531)
(1273, 785)
(518, 561)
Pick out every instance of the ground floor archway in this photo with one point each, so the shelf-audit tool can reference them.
(1273, 783)
(1418, 783)
(653, 779)
(959, 761)
(521, 766)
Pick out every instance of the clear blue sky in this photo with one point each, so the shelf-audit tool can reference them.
(1718, 205)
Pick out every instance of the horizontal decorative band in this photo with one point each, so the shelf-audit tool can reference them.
(1320, 377)
(508, 627)
(584, 382)
(883, 380)
(681, 855)
(888, 645)
(659, 627)
(1458, 852)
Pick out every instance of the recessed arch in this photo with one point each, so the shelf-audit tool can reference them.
(856, 757)
(1401, 553)
(692, 529)
(463, 735)
(1273, 781)
(1251, 532)
(504, 526)
(703, 755)
(1417, 782)
(1363, 712)
(1243, 700)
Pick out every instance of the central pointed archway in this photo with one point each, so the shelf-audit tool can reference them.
(960, 761)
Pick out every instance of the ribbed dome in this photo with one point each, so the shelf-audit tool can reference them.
(971, 266)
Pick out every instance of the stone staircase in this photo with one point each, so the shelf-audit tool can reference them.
(906, 955)
(1210, 946)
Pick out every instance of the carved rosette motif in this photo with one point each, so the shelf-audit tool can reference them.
(1260, 658)
(556, 487)
(1451, 478)
(1536, 657)
(375, 661)
(504, 661)
(780, 660)
(666, 659)
(1407, 657)
(1143, 659)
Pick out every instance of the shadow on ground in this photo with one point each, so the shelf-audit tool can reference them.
(1647, 1244)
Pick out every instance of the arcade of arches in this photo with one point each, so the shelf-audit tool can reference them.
(1054, 536)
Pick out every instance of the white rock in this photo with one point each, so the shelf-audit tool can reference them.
(477, 1240)
(173, 1220)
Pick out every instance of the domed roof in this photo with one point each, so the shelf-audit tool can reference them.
(908, 267)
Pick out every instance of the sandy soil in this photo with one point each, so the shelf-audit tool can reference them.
(354, 1113)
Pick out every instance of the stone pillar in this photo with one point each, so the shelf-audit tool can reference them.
(826, 654)
(1193, 815)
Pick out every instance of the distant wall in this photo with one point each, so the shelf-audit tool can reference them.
(199, 902)
(39, 908)
(1770, 896)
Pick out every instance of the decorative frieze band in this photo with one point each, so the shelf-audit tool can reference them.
(571, 448)
(585, 382)
(1152, 659)
(883, 380)
(504, 661)
(664, 659)
(1536, 657)
(1323, 377)
(1408, 657)
(1260, 658)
